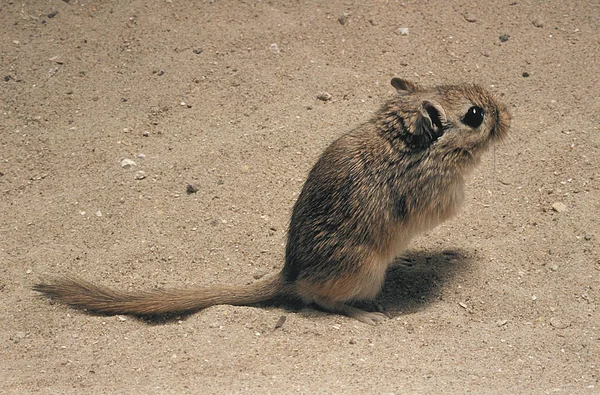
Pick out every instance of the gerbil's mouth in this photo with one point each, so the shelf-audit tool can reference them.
(493, 133)
(499, 129)
(497, 133)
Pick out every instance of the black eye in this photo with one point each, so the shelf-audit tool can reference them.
(473, 117)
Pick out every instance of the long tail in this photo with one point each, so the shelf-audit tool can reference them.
(81, 294)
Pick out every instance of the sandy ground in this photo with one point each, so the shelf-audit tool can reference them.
(222, 94)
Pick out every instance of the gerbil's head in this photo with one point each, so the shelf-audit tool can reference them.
(450, 119)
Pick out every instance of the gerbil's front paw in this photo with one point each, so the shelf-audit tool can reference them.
(369, 317)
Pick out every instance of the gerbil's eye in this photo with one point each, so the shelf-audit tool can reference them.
(473, 117)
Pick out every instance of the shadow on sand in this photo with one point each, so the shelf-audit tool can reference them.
(417, 279)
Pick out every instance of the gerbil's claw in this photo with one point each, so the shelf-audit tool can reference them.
(371, 318)
(379, 308)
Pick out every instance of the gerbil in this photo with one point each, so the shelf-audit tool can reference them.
(370, 192)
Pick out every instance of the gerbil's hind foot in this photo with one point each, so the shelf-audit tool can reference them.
(367, 317)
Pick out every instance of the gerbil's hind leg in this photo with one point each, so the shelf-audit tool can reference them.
(367, 317)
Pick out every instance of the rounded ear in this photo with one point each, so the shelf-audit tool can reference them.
(429, 125)
(403, 85)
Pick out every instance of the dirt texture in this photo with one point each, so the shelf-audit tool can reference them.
(238, 99)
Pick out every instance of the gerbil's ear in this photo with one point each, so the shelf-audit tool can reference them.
(402, 85)
(429, 125)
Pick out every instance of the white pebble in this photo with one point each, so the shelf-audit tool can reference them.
(402, 31)
(127, 163)
(324, 96)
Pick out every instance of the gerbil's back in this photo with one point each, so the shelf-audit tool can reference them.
(344, 203)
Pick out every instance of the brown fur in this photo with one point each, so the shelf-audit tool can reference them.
(369, 194)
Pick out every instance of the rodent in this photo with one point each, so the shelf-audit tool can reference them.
(370, 192)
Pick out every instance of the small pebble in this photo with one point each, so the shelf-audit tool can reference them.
(470, 17)
(343, 19)
(402, 31)
(198, 51)
(127, 163)
(504, 38)
(559, 323)
(121, 318)
(501, 322)
(280, 322)
(8, 78)
(191, 188)
(559, 207)
(324, 96)
(259, 275)
(140, 175)
(537, 22)
(20, 335)
(274, 48)
(52, 14)
(98, 213)
(526, 74)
